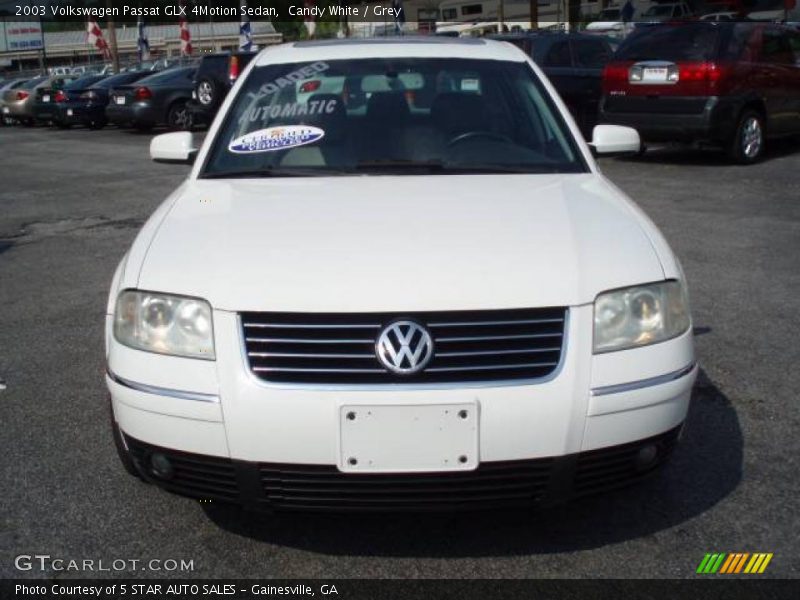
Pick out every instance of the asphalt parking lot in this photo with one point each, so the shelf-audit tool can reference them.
(72, 201)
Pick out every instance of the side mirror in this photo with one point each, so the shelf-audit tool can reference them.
(615, 140)
(175, 148)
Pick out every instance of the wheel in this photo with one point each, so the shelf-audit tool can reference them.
(99, 124)
(124, 457)
(178, 116)
(143, 127)
(747, 145)
(62, 124)
(207, 91)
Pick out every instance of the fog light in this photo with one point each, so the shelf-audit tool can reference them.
(161, 466)
(646, 456)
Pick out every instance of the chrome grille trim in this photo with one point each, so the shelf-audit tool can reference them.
(471, 349)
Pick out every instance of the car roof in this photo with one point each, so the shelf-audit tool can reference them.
(390, 47)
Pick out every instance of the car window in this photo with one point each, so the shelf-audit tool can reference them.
(692, 42)
(775, 47)
(558, 55)
(794, 44)
(593, 54)
(33, 83)
(169, 76)
(404, 114)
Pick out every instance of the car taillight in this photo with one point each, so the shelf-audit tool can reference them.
(22, 95)
(61, 96)
(614, 76)
(234, 69)
(310, 86)
(615, 73)
(143, 93)
(88, 95)
(704, 71)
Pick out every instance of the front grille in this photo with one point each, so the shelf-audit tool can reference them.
(309, 487)
(469, 346)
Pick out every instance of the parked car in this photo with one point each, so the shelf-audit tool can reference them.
(216, 73)
(574, 64)
(89, 107)
(666, 11)
(609, 22)
(159, 99)
(18, 103)
(8, 85)
(60, 109)
(45, 109)
(727, 84)
(398, 305)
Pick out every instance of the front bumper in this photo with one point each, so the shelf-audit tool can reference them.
(593, 403)
(287, 487)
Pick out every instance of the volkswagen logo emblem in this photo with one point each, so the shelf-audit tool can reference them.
(404, 347)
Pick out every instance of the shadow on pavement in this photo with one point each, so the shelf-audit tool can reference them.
(706, 467)
(709, 157)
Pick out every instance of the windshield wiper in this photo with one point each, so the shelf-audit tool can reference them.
(439, 167)
(399, 165)
(269, 172)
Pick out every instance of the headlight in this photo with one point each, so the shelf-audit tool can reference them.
(638, 316)
(165, 324)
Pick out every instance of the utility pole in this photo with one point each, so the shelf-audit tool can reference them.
(112, 38)
(501, 14)
(534, 14)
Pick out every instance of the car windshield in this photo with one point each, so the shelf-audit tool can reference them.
(691, 42)
(390, 116)
(658, 11)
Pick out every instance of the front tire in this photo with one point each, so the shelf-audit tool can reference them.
(747, 146)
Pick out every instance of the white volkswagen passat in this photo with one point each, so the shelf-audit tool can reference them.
(414, 290)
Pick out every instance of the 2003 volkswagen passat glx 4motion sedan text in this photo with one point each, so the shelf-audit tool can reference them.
(395, 279)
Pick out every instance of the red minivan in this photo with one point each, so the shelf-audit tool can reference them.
(726, 84)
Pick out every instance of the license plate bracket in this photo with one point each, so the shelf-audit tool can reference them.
(408, 438)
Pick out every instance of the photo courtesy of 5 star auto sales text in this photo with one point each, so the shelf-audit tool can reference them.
(399, 299)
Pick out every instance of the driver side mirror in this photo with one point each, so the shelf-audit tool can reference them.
(614, 140)
(174, 148)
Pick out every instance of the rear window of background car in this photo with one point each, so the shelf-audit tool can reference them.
(672, 43)
(590, 53)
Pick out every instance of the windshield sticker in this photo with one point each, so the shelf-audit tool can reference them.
(282, 111)
(293, 77)
(276, 138)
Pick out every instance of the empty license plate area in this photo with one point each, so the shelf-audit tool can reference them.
(408, 438)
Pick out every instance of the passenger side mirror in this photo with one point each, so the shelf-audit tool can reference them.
(174, 148)
(614, 140)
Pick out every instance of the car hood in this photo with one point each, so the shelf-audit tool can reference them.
(388, 243)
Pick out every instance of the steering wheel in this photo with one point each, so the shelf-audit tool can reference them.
(479, 134)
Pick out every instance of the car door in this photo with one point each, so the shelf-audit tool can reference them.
(776, 66)
(589, 56)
